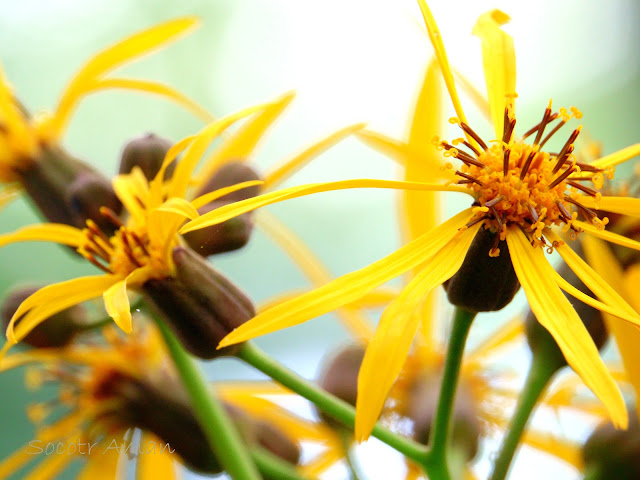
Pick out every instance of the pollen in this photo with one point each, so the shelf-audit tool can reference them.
(123, 252)
(517, 183)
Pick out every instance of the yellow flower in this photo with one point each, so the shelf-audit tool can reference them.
(93, 416)
(139, 250)
(23, 138)
(520, 193)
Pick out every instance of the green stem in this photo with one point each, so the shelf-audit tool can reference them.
(274, 468)
(540, 372)
(223, 437)
(331, 405)
(437, 456)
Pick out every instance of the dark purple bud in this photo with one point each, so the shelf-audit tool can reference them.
(56, 331)
(146, 152)
(339, 376)
(421, 407)
(275, 441)
(610, 453)
(484, 283)
(49, 178)
(235, 232)
(199, 304)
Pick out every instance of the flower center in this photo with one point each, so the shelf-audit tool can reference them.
(517, 183)
(122, 253)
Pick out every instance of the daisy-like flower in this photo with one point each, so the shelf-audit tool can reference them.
(140, 250)
(30, 152)
(520, 196)
(112, 384)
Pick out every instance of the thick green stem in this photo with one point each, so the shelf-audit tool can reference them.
(274, 468)
(223, 437)
(436, 458)
(540, 372)
(326, 402)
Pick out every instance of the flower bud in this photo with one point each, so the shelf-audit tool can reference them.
(235, 232)
(275, 441)
(199, 304)
(484, 283)
(57, 331)
(65, 189)
(340, 376)
(164, 410)
(541, 342)
(421, 407)
(610, 453)
(86, 195)
(146, 152)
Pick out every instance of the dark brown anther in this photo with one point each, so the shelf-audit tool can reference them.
(495, 201)
(561, 177)
(533, 213)
(527, 163)
(554, 131)
(56, 331)
(463, 157)
(543, 125)
(567, 149)
(339, 376)
(566, 215)
(587, 190)
(470, 178)
(112, 217)
(483, 283)
(471, 147)
(65, 189)
(146, 152)
(473, 135)
(421, 407)
(540, 340)
(611, 453)
(505, 162)
(199, 304)
(234, 233)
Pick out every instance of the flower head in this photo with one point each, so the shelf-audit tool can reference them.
(531, 189)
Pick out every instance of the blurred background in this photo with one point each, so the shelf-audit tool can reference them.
(349, 61)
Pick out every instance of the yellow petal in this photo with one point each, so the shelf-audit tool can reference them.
(312, 268)
(555, 313)
(184, 170)
(16, 461)
(503, 336)
(622, 205)
(608, 236)
(154, 88)
(130, 189)
(618, 157)
(45, 232)
(626, 335)
(350, 287)
(499, 62)
(202, 200)
(232, 210)
(52, 465)
(436, 40)
(114, 57)
(592, 302)
(54, 298)
(179, 206)
(594, 281)
(388, 349)
(322, 463)
(156, 186)
(116, 300)
(240, 145)
(156, 461)
(474, 94)
(394, 149)
(103, 463)
(292, 165)
(559, 448)
(8, 194)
